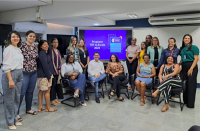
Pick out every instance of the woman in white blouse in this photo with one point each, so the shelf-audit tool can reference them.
(73, 71)
(12, 78)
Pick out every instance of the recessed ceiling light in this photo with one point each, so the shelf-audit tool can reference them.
(96, 24)
(132, 15)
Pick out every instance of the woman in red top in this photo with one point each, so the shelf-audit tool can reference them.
(115, 69)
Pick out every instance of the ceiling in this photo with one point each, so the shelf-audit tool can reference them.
(104, 12)
(7, 5)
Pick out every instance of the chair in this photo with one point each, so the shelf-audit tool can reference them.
(90, 89)
(123, 83)
(70, 91)
(149, 88)
(177, 91)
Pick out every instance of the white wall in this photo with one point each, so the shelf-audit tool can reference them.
(58, 29)
(165, 33)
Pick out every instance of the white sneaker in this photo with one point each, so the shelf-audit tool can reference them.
(76, 95)
(83, 104)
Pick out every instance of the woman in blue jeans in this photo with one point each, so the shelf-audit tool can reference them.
(30, 53)
(73, 71)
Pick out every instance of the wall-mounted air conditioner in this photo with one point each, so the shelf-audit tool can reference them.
(26, 26)
(175, 19)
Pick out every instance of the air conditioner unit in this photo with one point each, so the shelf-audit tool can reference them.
(26, 26)
(175, 19)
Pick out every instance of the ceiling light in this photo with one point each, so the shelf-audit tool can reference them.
(132, 15)
(96, 24)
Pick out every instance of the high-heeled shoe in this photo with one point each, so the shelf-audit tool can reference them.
(165, 108)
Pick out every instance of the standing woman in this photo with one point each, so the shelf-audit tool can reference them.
(189, 58)
(12, 78)
(30, 54)
(132, 52)
(45, 74)
(148, 40)
(155, 51)
(56, 58)
(84, 56)
(142, 53)
(172, 50)
(73, 49)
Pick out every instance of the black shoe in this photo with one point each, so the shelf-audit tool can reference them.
(92, 84)
(97, 100)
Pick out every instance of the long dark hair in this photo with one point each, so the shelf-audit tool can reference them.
(52, 41)
(145, 47)
(41, 42)
(183, 44)
(68, 56)
(117, 59)
(175, 46)
(8, 41)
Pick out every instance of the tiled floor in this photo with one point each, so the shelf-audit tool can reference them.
(109, 115)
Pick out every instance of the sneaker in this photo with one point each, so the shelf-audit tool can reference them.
(97, 100)
(76, 95)
(92, 83)
(83, 104)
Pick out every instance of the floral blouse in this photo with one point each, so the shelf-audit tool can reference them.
(30, 56)
(114, 68)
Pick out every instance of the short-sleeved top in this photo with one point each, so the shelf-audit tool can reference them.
(147, 69)
(83, 56)
(142, 53)
(30, 57)
(114, 68)
(189, 54)
(132, 50)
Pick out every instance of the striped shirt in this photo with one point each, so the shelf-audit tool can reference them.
(56, 58)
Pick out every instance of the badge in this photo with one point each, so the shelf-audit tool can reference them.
(184, 56)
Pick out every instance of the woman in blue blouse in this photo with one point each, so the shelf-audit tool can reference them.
(172, 50)
(145, 72)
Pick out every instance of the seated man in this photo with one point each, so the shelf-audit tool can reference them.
(96, 73)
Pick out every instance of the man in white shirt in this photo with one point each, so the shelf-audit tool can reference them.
(96, 73)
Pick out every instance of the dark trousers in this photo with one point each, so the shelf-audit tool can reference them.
(190, 92)
(28, 87)
(117, 82)
(53, 87)
(132, 67)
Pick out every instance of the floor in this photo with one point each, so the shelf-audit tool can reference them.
(109, 115)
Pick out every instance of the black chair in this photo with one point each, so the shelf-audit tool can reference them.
(69, 91)
(177, 92)
(149, 88)
(90, 89)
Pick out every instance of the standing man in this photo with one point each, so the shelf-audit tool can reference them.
(96, 73)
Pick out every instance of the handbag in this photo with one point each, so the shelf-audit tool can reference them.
(59, 91)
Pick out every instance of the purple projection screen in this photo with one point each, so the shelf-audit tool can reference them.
(106, 42)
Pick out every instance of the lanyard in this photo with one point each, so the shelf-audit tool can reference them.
(171, 53)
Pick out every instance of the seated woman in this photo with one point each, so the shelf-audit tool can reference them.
(145, 72)
(171, 77)
(115, 69)
(73, 71)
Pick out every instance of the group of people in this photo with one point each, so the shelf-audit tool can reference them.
(25, 64)
(152, 60)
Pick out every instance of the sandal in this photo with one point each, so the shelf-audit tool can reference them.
(34, 113)
(41, 109)
(111, 94)
(50, 109)
(54, 103)
(20, 119)
(57, 101)
(142, 102)
(122, 99)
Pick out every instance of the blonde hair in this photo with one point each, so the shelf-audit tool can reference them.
(71, 48)
(84, 48)
(157, 41)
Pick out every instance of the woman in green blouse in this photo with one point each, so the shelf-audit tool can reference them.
(189, 58)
